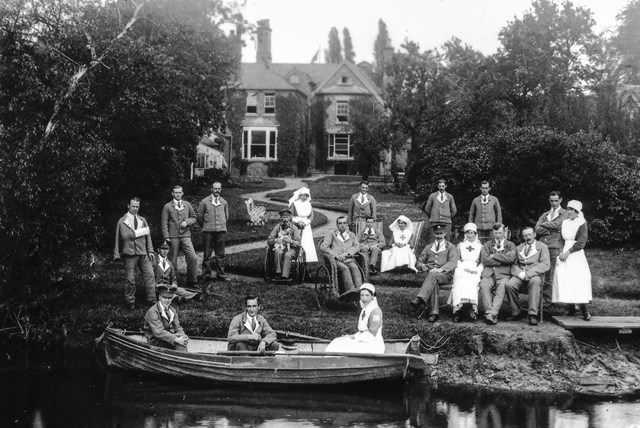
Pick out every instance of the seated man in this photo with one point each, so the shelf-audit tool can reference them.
(165, 274)
(497, 256)
(532, 260)
(439, 260)
(161, 325)
(249, 331)
(285, 239)
(342, 245)
(371, 243)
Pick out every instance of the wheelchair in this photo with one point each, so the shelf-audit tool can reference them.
(326, 281)
(299, 270)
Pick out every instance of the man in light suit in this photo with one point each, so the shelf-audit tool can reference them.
(177, 218)
(371, 243)
(133, 245)
(213, 214)
(485, 212)
(441, 208)
(342, 245)
(250, 331)
(497, 256)
(548, 230)
(532, 261)
(439, 260)
(361, 206)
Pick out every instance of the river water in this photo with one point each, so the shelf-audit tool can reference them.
(73, 397)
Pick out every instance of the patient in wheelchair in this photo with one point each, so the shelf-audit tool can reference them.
(283, 242)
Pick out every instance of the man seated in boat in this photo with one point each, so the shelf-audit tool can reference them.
(250, 331)
(161, 325)
(285, 241)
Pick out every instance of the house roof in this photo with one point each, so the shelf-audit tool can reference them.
(256, 76)
(628, 95)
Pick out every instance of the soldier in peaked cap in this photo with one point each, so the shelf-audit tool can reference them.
(439, 260)
(285, 244)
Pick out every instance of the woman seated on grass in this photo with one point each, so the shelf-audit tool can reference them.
(368, 339)
(402, 243)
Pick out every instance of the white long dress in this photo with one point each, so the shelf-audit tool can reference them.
(363, 341)
(465, 284)
(572, 277)
(303, 212)
(399, 256)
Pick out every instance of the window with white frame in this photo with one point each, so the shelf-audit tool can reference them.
(252, 102)
(340, 146)
(342, 112)
(269, 103)
(259, 143)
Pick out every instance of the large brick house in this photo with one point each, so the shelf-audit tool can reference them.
(324, 88)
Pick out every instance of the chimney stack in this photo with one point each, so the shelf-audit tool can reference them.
(263, 52)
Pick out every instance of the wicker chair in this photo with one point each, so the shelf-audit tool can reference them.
(327, 288)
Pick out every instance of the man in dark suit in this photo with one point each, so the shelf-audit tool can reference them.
(548, 231)
(485, 212)
(250, 331)
(342, 245)
(532, 261)
(371, 243)
(177, 218)
(165, 274)
(133, 245)
(361, 206)
(439, 260)
(497, 256)
(285, 246)
(161, 325)
(441, 208)
(213, 214)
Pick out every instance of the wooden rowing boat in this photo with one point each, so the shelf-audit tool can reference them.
(302, 362)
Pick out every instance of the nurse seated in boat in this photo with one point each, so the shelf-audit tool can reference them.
(250, 331)
(368, 338)
(161, 325)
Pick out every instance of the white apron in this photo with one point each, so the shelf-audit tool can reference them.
(465, 285)
(303, 211)
(364, 342)
(572, 278)
(399, 256)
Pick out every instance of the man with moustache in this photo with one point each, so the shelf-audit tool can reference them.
(213, 214)
(441, 208)
(177, 218)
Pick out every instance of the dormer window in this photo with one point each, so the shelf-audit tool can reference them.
(252, 102)
(269, 103)
(342, 112)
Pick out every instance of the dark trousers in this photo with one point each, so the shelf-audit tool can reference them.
(430, 289)
(485, 235)
(162, 344)
(513, 288)
(144, 264)
(213, 243)
(186, 246)
(547, 289)
(246, 346)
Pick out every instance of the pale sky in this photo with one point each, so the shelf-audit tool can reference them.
(300, 27)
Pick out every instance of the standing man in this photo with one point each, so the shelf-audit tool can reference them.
(441, 208)
(439, 260)
(213, 214)
(250, 331)
(342, 245)
(133, 245)
(361, 206)
(485, 212)
(497, 256)
(548, 230)
(285, 246)
(371, 243)
(532, 260)
(177, 218)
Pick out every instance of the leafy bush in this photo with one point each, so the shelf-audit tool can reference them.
(524, 164)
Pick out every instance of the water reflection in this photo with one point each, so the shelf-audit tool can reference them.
(73, 399)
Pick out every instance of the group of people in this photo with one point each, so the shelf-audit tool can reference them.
(484, 268)
(134, 247)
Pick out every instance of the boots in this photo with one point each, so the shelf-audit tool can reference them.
(220, 269)
(585, 314)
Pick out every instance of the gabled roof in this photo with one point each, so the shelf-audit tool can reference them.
(628, 95)
(362, 77)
